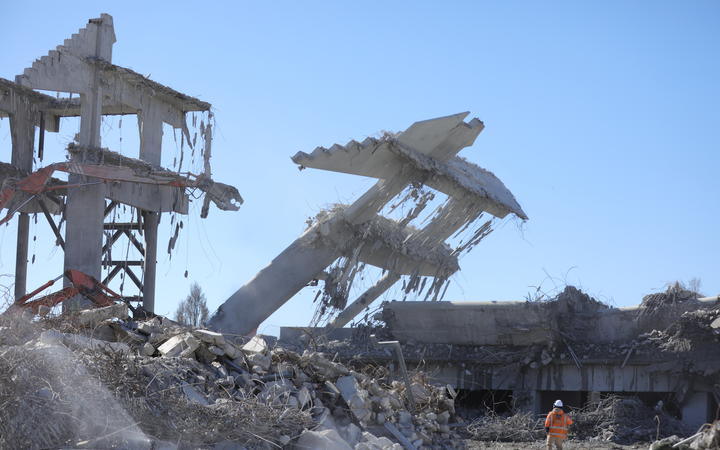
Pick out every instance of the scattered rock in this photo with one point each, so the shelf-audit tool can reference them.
(255, 345)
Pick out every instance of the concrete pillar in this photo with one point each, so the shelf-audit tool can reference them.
(289, 272)
(21, 255)
(22, 131)
(526, 401)
(150, 219)
(696, 409)
(85, 205)
(150, 123)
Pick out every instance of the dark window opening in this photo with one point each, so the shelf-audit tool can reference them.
(571, 399)
(714, 412)
(476, 403)
(652, 400)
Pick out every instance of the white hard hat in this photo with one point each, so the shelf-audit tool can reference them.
(558, 404)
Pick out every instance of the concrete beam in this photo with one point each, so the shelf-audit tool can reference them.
(390, 245)
(148, 197)
(289, 272)
(85, 205)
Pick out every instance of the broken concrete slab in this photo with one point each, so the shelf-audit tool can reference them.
(230, 350)
(255, 345)
(260, 360)
(194, 395)
(356, 398)
(325, 439)
(303, 397)
(715, 324)
(94, 316)
(177, 345)
(79, 342)
(209, 337)
(148, 349)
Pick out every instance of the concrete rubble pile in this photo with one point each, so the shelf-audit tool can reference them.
(169, 386)
(623, 421)
(519, 427)
(708, 438)
(666, 348)
(613, 419)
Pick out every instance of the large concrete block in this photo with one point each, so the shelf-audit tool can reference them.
(326, 439)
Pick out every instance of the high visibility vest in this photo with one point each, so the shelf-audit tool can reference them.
(558, 422)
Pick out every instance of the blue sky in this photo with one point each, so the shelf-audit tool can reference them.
(602, 118)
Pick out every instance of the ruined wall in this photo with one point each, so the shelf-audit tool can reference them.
(526, 323)
(469, 323)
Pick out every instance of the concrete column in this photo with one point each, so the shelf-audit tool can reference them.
(22, 131)
(150, 123)
(696, 409)
(289, 272)
(84, 210)
(150, 219)
(85, 205)
(526, 401)
(21, 255)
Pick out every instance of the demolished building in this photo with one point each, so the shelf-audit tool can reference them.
(526, 354)
(348, 391)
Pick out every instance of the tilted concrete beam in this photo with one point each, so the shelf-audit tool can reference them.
(440, 139)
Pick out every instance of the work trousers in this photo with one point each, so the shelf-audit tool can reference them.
(558, 441)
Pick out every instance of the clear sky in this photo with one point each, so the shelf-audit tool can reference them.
(601, 117)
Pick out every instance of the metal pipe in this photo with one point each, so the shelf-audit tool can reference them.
(403, 368)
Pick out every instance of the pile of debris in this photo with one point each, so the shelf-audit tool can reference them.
(674, 296)
(612, 419)
(708, 438)
(623, 421)
(97, 378)
(519, 427)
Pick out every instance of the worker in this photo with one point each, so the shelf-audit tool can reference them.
(556, 426)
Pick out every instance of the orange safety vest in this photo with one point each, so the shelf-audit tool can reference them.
(558, 422)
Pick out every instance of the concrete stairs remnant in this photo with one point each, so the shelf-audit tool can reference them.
(385, 157)
(93, 41)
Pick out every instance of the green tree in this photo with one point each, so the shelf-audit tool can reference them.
(193, 311)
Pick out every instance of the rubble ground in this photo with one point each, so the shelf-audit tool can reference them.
(616, 420)
(570, 444)
(96, 378)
